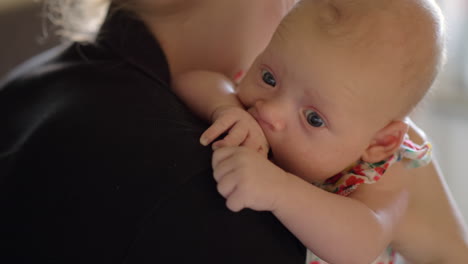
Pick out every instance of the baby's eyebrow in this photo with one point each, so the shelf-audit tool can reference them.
(317, 97)
(314, 99)
(312, 90)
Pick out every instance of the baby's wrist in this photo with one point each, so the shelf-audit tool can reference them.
(283, 192)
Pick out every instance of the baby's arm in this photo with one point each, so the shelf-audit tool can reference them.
(358, 228)
(211, 96)
(338, 229)
(205, 91)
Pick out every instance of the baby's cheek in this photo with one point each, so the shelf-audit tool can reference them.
(245, 95)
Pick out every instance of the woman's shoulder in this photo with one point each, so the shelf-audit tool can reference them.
(90, 88)
(68, 67)
(79, 74)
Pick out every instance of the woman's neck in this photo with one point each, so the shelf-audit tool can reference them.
(217, 35)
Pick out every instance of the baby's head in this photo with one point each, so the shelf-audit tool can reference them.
(339, 77)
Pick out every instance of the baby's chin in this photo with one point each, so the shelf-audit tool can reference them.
(306, 178)
(276, 159)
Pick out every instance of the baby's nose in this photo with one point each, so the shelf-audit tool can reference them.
(271, 113)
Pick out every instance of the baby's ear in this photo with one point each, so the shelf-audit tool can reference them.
(385, 142)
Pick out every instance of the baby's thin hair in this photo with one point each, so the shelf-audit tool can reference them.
(76, 20)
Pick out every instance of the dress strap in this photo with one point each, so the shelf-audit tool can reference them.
(345, 182)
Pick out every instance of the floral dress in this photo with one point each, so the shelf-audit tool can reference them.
(347, 181)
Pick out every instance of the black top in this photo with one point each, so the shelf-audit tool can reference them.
(100, 163)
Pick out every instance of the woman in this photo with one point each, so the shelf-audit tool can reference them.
(100, 162)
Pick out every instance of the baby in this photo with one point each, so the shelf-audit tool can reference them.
(330, 96)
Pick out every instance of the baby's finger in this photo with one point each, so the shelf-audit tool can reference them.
(226, 185)
(235, 138)
(223, 168)
(219, 155)
(235, 201)
(215, 130)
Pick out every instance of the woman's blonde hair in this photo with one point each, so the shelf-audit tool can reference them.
(77, 20)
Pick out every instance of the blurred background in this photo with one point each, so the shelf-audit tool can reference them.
(443, 115)
(22, 32)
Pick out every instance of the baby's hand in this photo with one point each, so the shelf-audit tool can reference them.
(242, 128)
(247, 180)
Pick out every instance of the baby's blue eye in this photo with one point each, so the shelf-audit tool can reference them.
(268, 78)
(314, 119)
